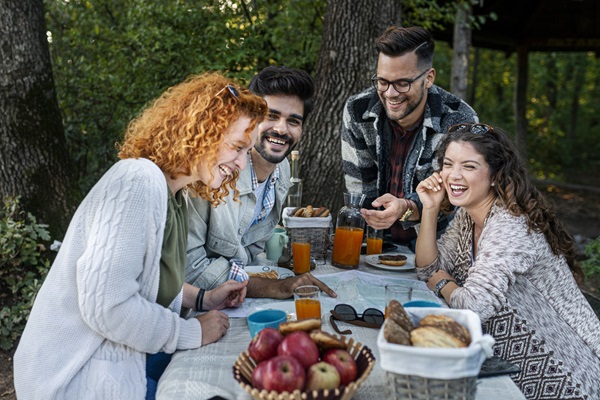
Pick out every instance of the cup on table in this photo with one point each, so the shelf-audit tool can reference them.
(401, 293)
(307, 302)
(259, 320)
(301, 253)
(276, 243)
(374, 241)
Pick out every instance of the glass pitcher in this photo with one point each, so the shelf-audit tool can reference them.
(349, 233)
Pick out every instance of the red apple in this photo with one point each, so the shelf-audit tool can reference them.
(343, 362)
(258, 375)
(283, 374)
(322, 376)
(300, 346)
(264, 345)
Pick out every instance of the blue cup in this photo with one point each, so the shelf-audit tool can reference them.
(421, 303)
(259, 320)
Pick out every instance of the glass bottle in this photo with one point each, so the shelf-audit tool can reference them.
(349, 232)
(294, 198)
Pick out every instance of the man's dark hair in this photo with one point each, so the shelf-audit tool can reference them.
(397, 41)
(287, 81)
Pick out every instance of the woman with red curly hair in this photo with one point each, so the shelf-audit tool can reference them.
(113, 298)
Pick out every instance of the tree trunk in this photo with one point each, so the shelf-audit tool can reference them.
(521, 100)
(34, 162)
(347, 60)
(460, 55)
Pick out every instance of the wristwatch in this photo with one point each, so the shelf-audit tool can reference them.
(440, 285)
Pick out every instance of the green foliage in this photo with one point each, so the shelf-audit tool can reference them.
(591, 265)
(111, 57)
(22, 268)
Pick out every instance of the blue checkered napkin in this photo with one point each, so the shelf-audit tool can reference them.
(237, 272)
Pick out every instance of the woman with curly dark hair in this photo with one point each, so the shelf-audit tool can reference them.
(508, 258)
(110, 310)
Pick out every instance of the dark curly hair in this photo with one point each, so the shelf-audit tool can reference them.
(514, 188)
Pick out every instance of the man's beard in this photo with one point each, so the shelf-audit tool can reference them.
(273, 158)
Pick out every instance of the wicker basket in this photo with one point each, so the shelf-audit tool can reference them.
(410, 387)
(420, 373)
(244, 366)
(317, 229)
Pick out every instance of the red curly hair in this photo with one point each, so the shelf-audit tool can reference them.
(187, 124)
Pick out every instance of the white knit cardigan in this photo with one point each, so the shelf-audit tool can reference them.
(96, 315)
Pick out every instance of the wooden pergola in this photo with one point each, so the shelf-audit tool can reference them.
(523, 26)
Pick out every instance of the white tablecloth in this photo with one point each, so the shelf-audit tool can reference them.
(207, 372)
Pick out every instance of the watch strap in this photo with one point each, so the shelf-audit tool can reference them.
(440, 285)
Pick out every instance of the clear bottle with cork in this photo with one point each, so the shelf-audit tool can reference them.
(294, 198)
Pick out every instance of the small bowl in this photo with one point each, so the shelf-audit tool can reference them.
(261, 319)
(421, 303)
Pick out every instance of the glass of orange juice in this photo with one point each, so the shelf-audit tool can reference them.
(301, 253)
(374, 241)
(308, 304)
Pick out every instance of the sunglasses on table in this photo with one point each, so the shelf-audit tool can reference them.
(370, 318)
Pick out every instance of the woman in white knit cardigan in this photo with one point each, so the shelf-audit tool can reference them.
(509, 259)
(115, 292)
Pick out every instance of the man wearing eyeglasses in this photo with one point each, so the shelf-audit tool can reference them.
(391, 131)
(222, 240)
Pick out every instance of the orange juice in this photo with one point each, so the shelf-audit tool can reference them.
(374, 245)
(308, 308)
(301, 253)
(346, 247)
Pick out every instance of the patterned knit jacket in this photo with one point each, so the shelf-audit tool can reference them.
(96, 315)
(528, 300)
(367, 136)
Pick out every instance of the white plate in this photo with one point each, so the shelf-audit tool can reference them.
(282, 272)
(287, 306)
(373, 260)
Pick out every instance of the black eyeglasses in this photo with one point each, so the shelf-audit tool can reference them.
(231, 89)
(477, 129)
(401, 85)
(370, 318)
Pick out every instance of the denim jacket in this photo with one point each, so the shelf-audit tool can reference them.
(219, 234)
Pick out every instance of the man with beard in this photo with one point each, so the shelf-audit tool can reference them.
(222, 239)
(391, 131)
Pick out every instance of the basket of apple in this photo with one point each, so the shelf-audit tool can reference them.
(300, 361)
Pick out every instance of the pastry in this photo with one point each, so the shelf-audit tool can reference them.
(395, 260)
(326, 341)
(305, 325)
(272, 274)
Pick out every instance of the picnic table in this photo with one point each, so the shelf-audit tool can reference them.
(207, 372)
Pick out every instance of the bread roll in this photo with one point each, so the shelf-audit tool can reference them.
(394, 333)
(398, 314)
(447, 324)
(430, 336)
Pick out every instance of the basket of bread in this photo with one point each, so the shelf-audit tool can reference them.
(300, 361)
(312, 221)
(432, 353)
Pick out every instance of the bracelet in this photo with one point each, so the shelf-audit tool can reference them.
(200, 300)
(407, 213)
(440, 285)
